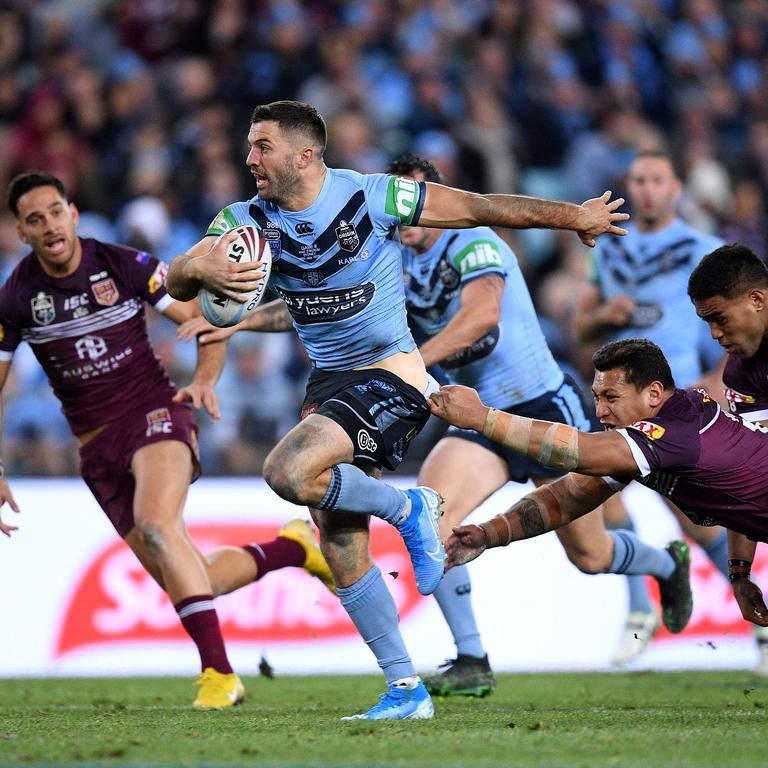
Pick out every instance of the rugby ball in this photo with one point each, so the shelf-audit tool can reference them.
(248, 246)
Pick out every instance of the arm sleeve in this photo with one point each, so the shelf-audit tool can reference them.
(228, 218)
(474, 257)
(145, 275)
(661, 443)
(744, 397)
(393, 200)
(10, 333)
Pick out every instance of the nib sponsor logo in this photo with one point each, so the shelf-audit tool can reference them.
(116, 601)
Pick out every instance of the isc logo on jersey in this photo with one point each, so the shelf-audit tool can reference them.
(247, 246)
(649, 429)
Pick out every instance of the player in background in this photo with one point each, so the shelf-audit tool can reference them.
(471, 313)
(637, 289)
(729, 289)
(79, 303)
(712, 464)
(339, 275)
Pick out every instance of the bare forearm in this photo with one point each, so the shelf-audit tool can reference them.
(210, 362)
(270, 318)
(181, 283)
(461, 332)
(546, 509)
(740, 547)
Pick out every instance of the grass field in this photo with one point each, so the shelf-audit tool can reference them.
(696, 719)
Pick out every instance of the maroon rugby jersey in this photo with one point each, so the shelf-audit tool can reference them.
(710, 463)
(88, 331)
(746, 384)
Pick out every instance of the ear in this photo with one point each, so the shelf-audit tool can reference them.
(306, 156)
(21, 234)
(758, 297)
(655, 392)
(75, 213)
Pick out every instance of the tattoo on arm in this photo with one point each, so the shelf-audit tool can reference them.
(531, 520)
(273, 318)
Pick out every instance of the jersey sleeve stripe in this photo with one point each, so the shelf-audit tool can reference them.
(419, 204)
(163, 303)
(5, 355)
(637, 454)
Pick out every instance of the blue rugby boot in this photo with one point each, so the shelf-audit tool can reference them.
(400, 703)
(422, 538)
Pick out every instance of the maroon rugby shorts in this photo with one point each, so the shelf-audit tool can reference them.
(105, 460)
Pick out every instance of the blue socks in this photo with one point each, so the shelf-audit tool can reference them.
(633, 557)
(639, 599)
(372, 610)
(717, 552)
(351, 490)
(454, 596)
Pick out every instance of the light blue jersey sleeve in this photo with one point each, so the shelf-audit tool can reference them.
(477, 253)
(230, 217)
(393, 201)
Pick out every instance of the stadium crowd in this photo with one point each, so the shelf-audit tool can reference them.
(139, 107)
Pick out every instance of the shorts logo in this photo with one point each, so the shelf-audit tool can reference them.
(346, 234)
(43, 309)
(304, 228)
(366, 442)
(92, 347)
(649, 429)
(159, 422)
(105, 292)
(157, 278)
(308, 411)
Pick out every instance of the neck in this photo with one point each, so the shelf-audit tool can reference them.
(428, 240)
(308, 190)
(655, 225)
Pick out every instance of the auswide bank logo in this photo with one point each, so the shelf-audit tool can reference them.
(116, 601)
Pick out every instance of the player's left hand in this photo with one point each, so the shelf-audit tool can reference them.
(598, 216)
(460, 406)
(750, 600)
(466, 543)
(6, 497)
(200, 395)
(191, 329)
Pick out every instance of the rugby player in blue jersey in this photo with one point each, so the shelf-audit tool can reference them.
(470, 311)
(338, 273)
(638, 289)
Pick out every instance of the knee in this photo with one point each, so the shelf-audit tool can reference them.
(155, 532)
(282, 475)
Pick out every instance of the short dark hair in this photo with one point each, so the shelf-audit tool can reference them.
(407, 165)
(659, 154)
(729, 271)
(640, 359)
(294, 117)
(21, 184)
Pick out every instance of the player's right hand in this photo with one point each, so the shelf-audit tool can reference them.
(6, 497)
(199, 328)
(750, 600)
(617, 311)
(217, 273)
(466, 543)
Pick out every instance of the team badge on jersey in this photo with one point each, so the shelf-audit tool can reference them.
(157, 278)
(43, 309)
(735, 398)
(105, 292)
(313, 278)
(649, 429)
(346, 234)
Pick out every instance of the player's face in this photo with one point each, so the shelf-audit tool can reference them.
(738, 324)
(47, 222)
(419, 239)
(273, 161)
(619, 403)
(653, 190)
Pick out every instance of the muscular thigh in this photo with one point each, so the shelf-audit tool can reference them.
(465, 474)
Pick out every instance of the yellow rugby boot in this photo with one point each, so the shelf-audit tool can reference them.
(302, 532)
(217, 690)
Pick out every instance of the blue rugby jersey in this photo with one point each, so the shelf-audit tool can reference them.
(512, 363)
(336, 265)
(653, 269)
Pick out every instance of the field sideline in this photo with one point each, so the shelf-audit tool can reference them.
(696, 719)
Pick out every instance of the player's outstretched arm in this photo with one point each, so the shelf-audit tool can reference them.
(206, 265)
(454, 208)
(6, 497)
(741, 553)
(545, 509)
(551, 444)
(210, 363)
(269, 318)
